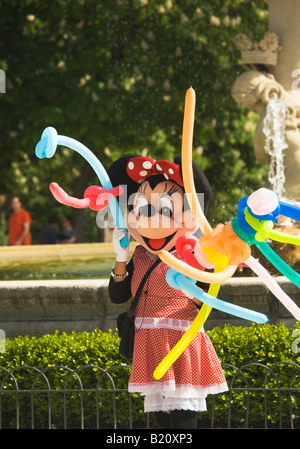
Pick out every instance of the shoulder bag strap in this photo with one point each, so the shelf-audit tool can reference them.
(139, 290)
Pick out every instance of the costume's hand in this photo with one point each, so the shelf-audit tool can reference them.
(121, 253)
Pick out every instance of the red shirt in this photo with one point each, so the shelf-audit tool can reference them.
(16, 227)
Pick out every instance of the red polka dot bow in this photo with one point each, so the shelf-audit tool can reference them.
(141, 168)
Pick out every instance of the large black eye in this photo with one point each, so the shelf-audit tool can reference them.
(166, 207)
(141, 206)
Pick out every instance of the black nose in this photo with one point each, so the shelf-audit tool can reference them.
(147, 211)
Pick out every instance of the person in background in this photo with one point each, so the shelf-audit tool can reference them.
(19, 224)
(49, 232)
(68, 235)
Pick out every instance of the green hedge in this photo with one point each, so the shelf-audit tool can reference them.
(263, 345)
(235, 346)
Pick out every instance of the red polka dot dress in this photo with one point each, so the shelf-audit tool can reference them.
(163, 314)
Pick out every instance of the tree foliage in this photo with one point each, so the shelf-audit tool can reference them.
(114, 75)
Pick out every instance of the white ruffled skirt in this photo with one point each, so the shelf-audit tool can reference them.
(156, 402)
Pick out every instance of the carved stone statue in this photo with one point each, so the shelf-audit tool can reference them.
(273, 71)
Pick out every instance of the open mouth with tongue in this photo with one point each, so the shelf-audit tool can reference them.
(158, 244)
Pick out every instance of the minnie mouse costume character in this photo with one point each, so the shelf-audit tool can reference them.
(157, 216)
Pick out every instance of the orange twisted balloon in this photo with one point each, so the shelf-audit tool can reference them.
(189, 184)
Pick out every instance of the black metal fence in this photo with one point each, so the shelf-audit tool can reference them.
(56, 397)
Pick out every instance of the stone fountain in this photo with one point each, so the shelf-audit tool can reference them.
(270, 86)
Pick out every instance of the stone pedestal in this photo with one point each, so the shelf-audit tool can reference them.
(35, 308)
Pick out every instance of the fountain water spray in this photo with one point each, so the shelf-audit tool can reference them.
(274, 130)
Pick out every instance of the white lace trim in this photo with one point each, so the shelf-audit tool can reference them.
(170, 389)
(159, 403)
(163, 323)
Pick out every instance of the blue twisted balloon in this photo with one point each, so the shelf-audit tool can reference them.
(179, 281)
(46, 148)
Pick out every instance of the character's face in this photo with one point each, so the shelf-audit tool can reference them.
(158, 218)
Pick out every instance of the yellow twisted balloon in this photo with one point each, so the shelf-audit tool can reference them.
(265, 230)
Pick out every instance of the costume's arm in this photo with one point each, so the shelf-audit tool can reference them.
(203, 285)
(120, 291)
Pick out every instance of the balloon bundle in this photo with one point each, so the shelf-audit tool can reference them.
(225, 248)
(222, 249)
